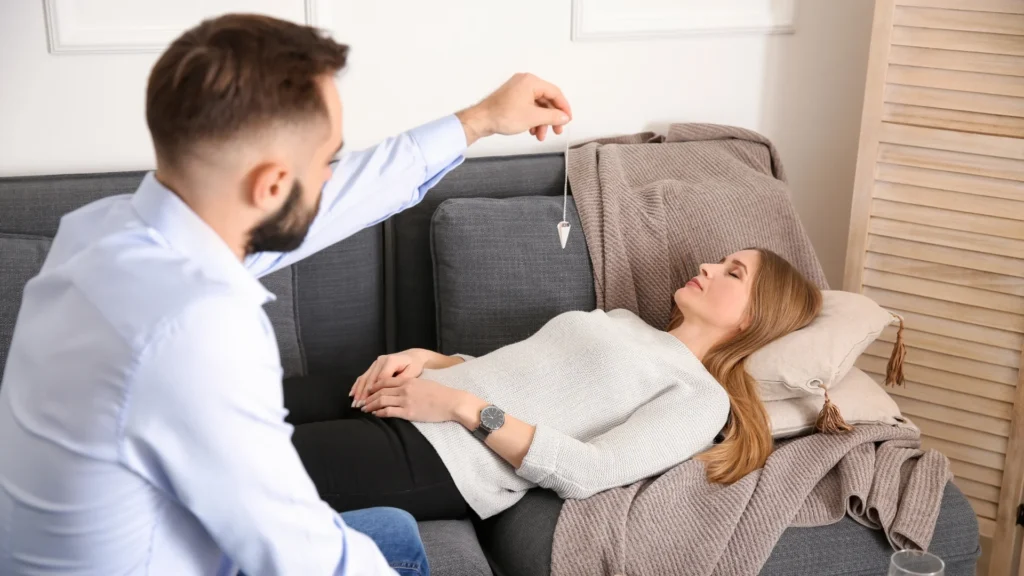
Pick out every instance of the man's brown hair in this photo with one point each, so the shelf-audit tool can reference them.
(236, 73)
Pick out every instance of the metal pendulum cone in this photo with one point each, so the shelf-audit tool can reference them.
(563, 232)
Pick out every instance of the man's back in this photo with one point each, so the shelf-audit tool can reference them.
(69, 497)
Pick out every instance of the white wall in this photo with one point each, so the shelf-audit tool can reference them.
(412, 61)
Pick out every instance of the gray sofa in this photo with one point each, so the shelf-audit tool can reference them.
(375, 292)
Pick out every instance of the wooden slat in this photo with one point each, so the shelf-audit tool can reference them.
(977, 489)
(965, 453)
(950, 256)
(943, 291)
(916, 214)
(976, 473)
(983, 509)
(954, 120)
(972, 82)
(948, 274)
(955, 201)
(952, 161)
(954, 100)
(913, 409)
(951, 181)
(955, 347)
(947, 237)
(1005, 6)
(954, 60)
(963, 331)
(932, 138)
(868, 146)
(942, 379)
(965, 436)
(955, 40)
(987, 529)
(948, 310)
(963, 366)
(968, 21)
(949, 398)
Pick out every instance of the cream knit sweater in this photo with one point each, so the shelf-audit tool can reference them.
(613, 399)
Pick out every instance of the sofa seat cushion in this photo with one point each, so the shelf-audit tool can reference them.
(453, 549)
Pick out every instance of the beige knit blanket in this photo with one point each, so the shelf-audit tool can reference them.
(678, 523)
(655, 208)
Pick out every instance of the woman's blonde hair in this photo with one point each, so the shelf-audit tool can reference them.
(782, 300)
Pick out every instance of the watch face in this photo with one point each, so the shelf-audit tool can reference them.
(492, 418)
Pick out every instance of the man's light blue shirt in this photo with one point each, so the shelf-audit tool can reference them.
(141, 412)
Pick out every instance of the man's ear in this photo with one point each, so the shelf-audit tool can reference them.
(268, 186)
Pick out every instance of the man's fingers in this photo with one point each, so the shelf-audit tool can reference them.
(544, 90)
(542, 132)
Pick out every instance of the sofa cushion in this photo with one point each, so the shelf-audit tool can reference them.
(500, 273)
(409, 232)
(452, 548)
(21, 257)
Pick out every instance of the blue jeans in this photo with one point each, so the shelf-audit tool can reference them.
(396, 534)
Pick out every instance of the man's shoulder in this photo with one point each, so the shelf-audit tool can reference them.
(133, 279)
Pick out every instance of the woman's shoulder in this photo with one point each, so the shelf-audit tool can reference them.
(598, 316)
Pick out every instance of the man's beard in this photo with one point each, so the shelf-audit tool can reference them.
(285, 230)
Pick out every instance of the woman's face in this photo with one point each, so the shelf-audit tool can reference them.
(719, 295)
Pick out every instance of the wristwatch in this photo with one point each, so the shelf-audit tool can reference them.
(491, 418)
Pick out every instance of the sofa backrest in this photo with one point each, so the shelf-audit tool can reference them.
(329, 312)
(337, 310)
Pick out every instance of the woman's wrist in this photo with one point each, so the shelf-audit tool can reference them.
(437, 361)
(466, 410)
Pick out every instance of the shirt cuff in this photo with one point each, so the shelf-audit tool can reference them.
(442, 144)
(540, 459)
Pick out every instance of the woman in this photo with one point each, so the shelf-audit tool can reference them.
(592, 401)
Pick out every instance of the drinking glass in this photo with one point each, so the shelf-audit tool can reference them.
(916, 563)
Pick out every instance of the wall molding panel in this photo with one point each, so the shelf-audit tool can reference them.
(604, 20)
(128, 26)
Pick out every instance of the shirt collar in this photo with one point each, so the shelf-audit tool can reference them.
(165, 212)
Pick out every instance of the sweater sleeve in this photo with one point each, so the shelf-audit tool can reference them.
(660, 434)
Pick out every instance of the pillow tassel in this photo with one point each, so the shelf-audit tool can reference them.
(830, 421)
(894, 371)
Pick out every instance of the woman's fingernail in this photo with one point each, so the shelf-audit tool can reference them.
(353, 403)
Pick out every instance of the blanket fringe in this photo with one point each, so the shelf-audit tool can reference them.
(894, 371)
(830, 421)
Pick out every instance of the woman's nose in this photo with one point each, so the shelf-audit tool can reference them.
(705, 269)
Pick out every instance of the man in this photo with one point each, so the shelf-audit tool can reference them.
(141, 407)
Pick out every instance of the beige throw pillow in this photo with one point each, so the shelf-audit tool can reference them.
(811, 360)
(858, 397)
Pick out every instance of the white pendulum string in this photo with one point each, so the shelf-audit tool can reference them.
(563, 226)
